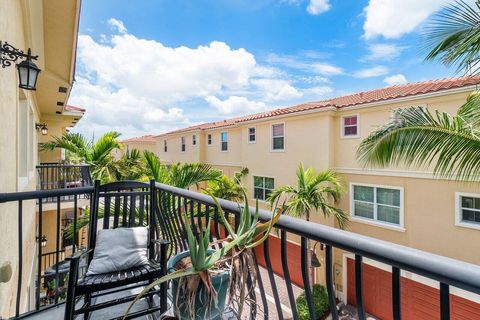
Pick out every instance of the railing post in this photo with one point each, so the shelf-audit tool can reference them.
(329, 277)
(359, 287)
(444, 301)
(396, 294)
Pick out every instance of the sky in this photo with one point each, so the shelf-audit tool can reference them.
(152, 66)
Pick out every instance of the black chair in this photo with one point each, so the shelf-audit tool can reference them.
(124, 204)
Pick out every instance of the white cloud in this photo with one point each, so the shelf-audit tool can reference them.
(316, 7)
(276, 89)
(395, 79)
(235, 105)
(326, 69)
(371, 72)
(319, 91)
(122, 110)
(383, 51)
(394, 18)
(117, 24)
(303, 63)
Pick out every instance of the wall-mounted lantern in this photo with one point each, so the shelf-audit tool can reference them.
(42, 127)
(27, 70)
(42, 240)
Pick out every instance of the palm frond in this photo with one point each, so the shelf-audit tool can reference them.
(454, 35)
(184, 175)
(73, 142)
(104, 146)
(418, 138)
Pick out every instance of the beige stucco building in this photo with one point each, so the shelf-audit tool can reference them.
(49, 29)
(402, 205)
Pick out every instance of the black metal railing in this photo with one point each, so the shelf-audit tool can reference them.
(52, 271)
(53, 176)
(447, 272)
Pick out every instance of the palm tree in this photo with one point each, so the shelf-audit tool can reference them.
(226, 188)
(181, 175)
(96, 154)
(454, 36)
(131, 166)
(314, 191)
(419, 138)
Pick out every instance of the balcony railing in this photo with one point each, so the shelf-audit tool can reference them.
(53, 176)
(445, 271)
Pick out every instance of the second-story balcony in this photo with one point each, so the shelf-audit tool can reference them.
(54, 176)
(283, 273)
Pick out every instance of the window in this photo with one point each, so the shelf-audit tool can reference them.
(224, 141)
(350, 126)
(262, 187)
(468, 210)
(209, 139)
(380, 204)
(183, 144)
(278, 136)
(252, 138)
(194, 139)
(165, 146)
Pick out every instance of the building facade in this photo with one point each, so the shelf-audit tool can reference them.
(401, 205)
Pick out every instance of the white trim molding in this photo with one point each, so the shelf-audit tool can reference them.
(458, 212)
(389, 173)
(375, 222)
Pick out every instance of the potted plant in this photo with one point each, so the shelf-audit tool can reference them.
(206, 280)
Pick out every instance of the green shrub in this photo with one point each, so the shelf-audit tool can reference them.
(320, 303)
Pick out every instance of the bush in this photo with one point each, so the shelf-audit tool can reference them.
(320, 303)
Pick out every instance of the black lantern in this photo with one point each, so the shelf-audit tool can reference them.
(27, 70)
(42, 127)
(42, 240)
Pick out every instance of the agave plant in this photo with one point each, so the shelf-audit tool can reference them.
(234, 252)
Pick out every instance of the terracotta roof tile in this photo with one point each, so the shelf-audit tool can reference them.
(147, 138)
(73, 108)
(383, 94)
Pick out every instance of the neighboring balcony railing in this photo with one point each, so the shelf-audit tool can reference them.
(50, 281)
(53, 176)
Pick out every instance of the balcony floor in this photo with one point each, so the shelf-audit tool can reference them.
(117, 311)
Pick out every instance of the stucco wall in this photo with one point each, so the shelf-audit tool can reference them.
(12, 30)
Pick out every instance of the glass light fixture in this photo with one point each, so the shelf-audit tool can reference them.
(27, 70)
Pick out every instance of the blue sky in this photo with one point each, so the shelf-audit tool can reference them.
(151, 66)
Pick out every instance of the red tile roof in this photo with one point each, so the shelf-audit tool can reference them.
(383, 94)
(147, 138)
(73, 108)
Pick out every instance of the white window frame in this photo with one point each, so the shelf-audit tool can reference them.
(221, 141)
(342, 126)
(255, 134)
(183, 144)
(194, 140)
(209, 141)
(253, 184)
(284, 137)
(458, 212)
(374, 222)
